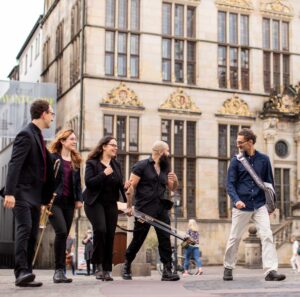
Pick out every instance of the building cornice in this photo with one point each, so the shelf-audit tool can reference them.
(33, 30)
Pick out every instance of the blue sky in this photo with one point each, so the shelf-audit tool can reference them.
(17, 18)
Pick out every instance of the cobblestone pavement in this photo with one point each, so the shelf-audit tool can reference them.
(247, 283)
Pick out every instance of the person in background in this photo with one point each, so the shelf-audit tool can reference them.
(192, 251)
(295, 259)
(104, 183)
(68, 196)
(88, 251)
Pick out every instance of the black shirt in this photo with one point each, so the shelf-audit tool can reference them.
(67, 188)
(110, 188)
(151, 187)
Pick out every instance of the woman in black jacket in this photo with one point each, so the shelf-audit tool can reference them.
(104, 183)
(69, 196)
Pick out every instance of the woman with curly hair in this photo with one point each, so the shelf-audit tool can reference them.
(68, 196)
(104, 182)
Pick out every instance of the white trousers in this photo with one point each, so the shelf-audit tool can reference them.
(295, 261)
(240, 220)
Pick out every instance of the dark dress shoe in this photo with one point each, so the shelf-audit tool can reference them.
(107, 277)
(126, 271)
(59, 277)
(273, 275)
(99, 272)
(227, 276)
(168, 274)
(32, 284)
(24, 278)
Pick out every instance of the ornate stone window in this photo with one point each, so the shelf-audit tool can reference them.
(276, 49)
(281, 149)
(124, 125)
(59, 44)
(226, 150)
(181, 65)
(75, 42)
(233, 49)
(276, 57)
(235, 110)
(126, 130)
(122, 38)
(178, 128)
(282, 189)
(181, 136)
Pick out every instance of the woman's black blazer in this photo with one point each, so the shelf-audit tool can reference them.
(59, 181)
(95, 178)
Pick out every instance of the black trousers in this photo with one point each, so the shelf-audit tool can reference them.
(88, 267)
(27, 226)
(140, 233)
(104, 221)
(61, 221)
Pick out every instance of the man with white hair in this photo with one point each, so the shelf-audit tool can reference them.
(149, 180)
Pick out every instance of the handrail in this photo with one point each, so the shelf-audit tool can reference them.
(282, 234)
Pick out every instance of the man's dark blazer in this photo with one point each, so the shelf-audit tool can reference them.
(95, 178)
(26, 168)
(59, 181)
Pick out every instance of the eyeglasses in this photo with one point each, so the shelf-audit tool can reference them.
(52, 113)
(241, 142)
(112, 144)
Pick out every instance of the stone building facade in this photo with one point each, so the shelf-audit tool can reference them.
(190, 72)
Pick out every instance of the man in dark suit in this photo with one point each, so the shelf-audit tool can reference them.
(30, 183)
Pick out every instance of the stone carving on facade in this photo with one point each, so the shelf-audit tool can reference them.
(179, 101)
(235, 4)
(270, 123)
(235, 106)
(122, 96)
(286, 104)
(190, 1)
(277, 7)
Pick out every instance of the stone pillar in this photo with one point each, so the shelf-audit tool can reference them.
(270, 132)
(297, 140)
(253, 250)
(270, 127)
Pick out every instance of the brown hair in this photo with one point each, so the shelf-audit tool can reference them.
(38, 107)
(56, 147)
(97, 152)
(248, 134)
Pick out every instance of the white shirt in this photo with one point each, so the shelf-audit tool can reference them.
(295, 247)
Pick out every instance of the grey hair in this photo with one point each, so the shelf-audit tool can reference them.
(159, 146)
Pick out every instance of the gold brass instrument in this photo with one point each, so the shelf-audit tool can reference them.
(45, 213)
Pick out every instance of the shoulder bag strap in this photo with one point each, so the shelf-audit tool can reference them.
(251, 171)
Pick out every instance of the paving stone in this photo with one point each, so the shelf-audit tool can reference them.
(247, 283)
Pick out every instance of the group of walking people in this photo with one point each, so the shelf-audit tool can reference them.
(31, 183)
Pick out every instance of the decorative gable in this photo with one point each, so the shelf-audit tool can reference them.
(235, 106)
(235, 4)
(179, 101)
(122, 97)
(285, 105)
(281, 8)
